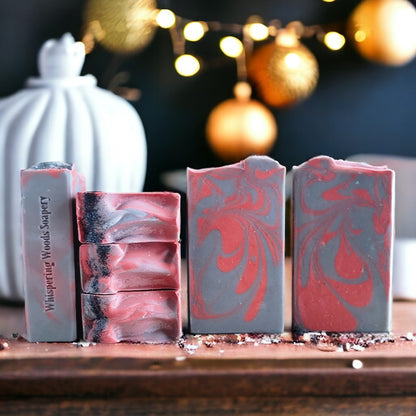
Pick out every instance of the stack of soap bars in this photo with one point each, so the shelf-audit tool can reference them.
(130, 266)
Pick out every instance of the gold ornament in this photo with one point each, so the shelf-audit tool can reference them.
(124, 26)
(284, 72)
(240, 126)
(384, 31)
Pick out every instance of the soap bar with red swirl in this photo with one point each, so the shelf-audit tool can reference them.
(342, 246)
(128, 217)
(110, 268)
(142, 316)
(236, 247)
(48, 220)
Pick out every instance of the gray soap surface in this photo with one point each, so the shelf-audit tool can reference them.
(48, 191)
(236, 247)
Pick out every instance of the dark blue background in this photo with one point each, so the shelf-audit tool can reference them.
(357, 107)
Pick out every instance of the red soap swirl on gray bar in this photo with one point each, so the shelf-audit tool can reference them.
(128, 217)
(236, 247)
(342, 246)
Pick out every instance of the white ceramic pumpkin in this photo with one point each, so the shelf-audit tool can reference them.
(62, 116)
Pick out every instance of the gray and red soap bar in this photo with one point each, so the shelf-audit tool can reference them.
(48, 195)
(236, 247)
(120, 267)
(105, 217)
(137, 316)
(343, 224)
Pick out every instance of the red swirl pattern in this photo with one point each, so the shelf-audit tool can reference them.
(149, 316)
(235, 237)
(342, 246)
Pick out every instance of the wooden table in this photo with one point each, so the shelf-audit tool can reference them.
(210, 376)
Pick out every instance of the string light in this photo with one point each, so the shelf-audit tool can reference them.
(258, 31)
(231, 46)
(253, 31)
(187, 65)
(165, 18)
(334, 40)
(194, 31)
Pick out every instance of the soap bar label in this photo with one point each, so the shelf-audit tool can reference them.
(48, 274)
(45, 235)
(46, 253)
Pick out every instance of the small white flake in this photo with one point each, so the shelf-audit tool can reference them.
(84, 344)
(190, 349)
(409, 336)
(357, 348)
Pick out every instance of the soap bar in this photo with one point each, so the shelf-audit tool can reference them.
(236, 247)
(147, 316)
(128, 217)
(342, 246)
(48, 199)
(110, 268)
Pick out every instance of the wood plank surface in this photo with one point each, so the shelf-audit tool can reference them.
(218, 375)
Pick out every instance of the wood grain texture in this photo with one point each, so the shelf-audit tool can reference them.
(329, 406)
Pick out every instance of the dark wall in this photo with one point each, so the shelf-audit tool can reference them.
(357, 107)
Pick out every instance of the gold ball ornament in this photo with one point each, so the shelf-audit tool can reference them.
(283, 72)
(384, 31)
(240, 126)
(123, 26)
